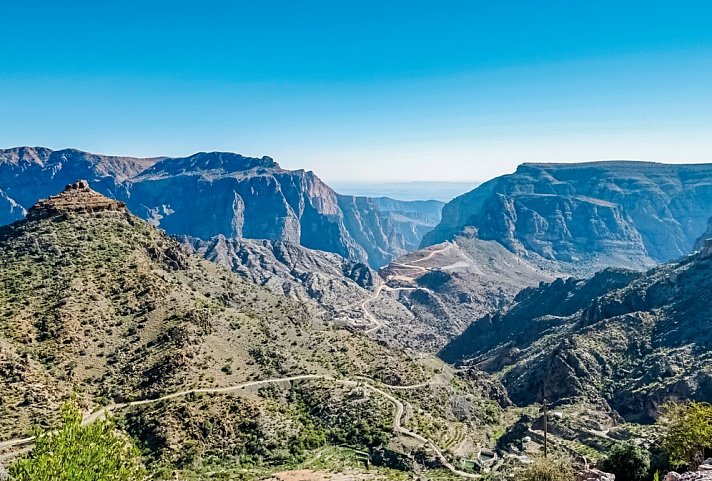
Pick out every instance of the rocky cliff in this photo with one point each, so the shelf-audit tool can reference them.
(210, 194)
(588, 216)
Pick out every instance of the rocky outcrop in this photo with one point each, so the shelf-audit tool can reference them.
(217, 193)
(588, 216)
(75, 198)
(592, 474)
(700, 475)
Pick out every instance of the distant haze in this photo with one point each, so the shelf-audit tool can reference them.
(422, 190)
(366, 91)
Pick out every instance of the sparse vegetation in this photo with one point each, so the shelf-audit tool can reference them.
(552, 469)
(97, 452)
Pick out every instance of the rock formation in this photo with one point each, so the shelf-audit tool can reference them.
(75, 198)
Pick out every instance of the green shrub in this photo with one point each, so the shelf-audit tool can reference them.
(628, 462)
(688, 432)
(95, 452)
(549, 469)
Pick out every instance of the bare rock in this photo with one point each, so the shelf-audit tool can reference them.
(76, 198)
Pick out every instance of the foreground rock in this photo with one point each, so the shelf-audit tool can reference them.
(594, 475)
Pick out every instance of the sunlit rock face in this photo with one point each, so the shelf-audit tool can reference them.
(591, 215)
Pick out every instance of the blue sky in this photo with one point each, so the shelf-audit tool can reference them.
(363, 90)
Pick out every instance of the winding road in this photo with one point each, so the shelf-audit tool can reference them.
(397, 426)
(399, 411)
(384, 287)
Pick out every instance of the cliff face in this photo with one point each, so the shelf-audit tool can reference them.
(210, 194)
(250, 198)
(599, 214)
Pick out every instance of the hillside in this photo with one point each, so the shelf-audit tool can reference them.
(446, 286)
(210, 194)
(334, 287)
(588, 216)
(625, 339)
(96, 302)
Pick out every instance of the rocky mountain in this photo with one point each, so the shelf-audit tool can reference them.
(330, 283)
(588, 216)
(626, 339)
(447, 285)
(98, 304)
(545, 221)
(211, 194)
(406, 306)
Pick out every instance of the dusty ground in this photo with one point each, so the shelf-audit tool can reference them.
(311, 475)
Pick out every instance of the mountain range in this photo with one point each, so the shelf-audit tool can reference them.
(210, 194)
(289, 231)
(588, 216)
(583, 285)
(632, 340)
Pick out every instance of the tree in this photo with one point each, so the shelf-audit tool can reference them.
(628, 462)
(688, 432)
(95, 452)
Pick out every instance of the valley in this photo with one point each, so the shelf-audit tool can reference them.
(263, 349)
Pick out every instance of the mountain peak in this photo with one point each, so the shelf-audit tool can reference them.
(75, 198)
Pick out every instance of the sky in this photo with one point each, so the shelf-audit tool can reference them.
(363, 91)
